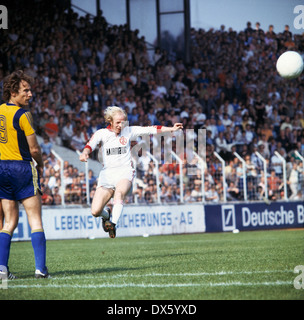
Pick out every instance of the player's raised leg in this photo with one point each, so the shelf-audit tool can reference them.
(121, 190)
(101, 197)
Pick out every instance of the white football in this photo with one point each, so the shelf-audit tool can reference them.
(290, 65)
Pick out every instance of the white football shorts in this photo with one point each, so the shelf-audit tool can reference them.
(109, 177)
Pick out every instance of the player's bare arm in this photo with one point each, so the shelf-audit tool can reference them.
(177, 126)
(35, 151)
(84, 156)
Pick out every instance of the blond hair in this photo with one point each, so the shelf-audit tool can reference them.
(110, 112)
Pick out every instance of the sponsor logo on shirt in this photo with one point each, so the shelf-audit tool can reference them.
(116, 151)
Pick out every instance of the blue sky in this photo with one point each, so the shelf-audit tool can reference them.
(207, 14)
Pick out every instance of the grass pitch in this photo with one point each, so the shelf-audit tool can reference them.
(247, 265)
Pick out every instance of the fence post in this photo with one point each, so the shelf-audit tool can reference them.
(244, 174)
(265, 173)
(284, 173)
(202, 167)
(300, 156)
(62, 187)
(87, 179)
(223, 173)
(181, 182)
(134, 181)
(302, 159)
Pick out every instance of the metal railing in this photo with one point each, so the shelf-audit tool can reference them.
(265, 185)
(181, 180)
(244, 175)
(202, 166)
(86, 171)
(62, 187)
(224, 175)
(157, 176)
(284, 173)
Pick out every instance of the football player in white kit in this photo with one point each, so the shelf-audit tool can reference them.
(117, 173)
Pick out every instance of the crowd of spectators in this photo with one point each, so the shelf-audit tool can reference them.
(231, 88)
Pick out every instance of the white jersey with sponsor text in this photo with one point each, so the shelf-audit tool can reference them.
(115, 150)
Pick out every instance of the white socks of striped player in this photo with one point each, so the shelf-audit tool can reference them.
(116, 211)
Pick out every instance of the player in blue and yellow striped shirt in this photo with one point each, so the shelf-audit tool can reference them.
(19, 177)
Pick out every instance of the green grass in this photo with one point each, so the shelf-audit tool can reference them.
(248, 265)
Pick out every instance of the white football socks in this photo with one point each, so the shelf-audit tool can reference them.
(116, 212)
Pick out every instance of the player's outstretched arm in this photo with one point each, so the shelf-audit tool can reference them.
(177, 126)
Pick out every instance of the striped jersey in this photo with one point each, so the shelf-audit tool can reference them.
(15, 124)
